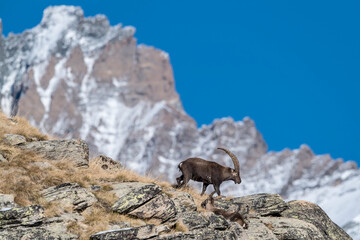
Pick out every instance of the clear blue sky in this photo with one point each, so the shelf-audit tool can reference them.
(292, 66)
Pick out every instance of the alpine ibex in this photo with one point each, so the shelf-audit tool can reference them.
(232, 216)
(208, 172)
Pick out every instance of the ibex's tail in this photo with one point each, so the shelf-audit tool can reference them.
(179, 166)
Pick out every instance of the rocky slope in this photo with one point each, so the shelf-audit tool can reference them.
(99, 208)
(82, 78)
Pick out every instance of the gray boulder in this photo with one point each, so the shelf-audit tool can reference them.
(132, 195)
(217, 222)
(130, 233)
(312, 213)
(34, 233)
(70, 194)
(183, 201)
(7, 201)
(14, 139)
(200, 234)
(3, 159)
(25, 216)
(76, 151)
(192, 221)
(124, 233)
(160, 207)
(57, 226)
(290, 228)
(261, 204)
(257, 230)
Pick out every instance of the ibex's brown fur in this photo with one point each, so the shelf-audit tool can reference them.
(208, 172)
(232, 216)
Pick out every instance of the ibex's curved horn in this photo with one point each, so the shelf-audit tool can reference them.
(233, 157)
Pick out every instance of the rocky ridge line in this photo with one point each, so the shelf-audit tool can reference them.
(176, 214)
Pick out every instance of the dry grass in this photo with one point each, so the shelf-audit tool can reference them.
(99, 218)
(52, 209)
(106, 198)
(127, 175)
(269, 226)
(22, 177)
(25, 180)
(181, 227)
(20, 126)
(77, 229)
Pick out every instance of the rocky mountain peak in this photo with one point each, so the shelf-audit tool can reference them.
(53, 14)
(80, 76)
(304, 154)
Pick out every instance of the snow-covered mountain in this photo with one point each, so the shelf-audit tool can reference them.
(80, 77)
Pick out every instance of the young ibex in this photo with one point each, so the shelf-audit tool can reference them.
(232, 216)
(208, 172)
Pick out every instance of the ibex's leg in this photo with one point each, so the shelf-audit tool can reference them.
(184, 178)
(217, 189)
(205, 185)
(178, 180)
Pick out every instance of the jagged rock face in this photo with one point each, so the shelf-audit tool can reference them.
(79, 77)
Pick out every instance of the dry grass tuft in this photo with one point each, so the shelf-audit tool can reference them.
(106, 198)
(21, 126)
(52, 209)
(77, 229)
(269, 226)
(99, 218)
(181, 227)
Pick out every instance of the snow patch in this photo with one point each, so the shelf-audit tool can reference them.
(46, 93)
(51, 29)
(113, 127)
(5, 209)
(167, 164)
(6, 99)
(122, 82)
(164, 55)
